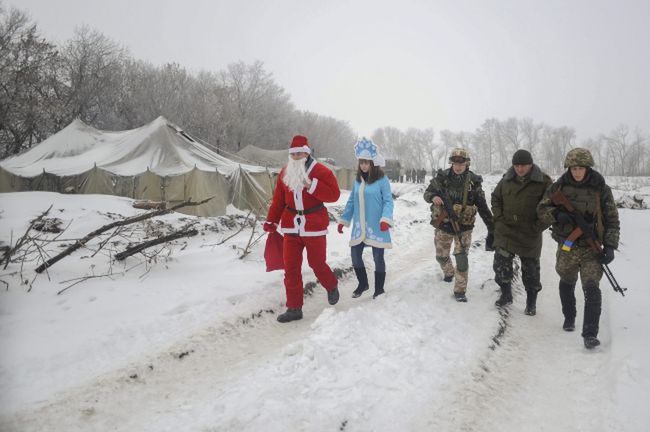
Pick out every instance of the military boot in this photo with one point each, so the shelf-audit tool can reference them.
(362, 277)
(591, 319)
(380, 278)
(591, 342)
(531, 302)
(568, 300)
(506, 295)
(290, 315)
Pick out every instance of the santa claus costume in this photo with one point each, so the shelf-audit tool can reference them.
(297, 206)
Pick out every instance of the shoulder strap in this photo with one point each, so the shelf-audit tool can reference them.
(465, 192)
(600, 228)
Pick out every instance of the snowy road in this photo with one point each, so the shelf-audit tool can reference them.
(412, 360)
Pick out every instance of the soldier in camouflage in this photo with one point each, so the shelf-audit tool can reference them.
(517, 230)
(463, 189)
(587, 191)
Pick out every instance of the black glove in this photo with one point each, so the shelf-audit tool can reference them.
(563, 217)
(608, 255)
(489, 242)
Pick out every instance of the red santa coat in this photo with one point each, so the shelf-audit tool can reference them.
(303, 212)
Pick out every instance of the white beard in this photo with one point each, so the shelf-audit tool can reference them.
(295, 176)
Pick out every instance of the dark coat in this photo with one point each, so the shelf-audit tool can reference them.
(517, 228)
(583, 197)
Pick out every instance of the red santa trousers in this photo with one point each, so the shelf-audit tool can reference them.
(292, 254)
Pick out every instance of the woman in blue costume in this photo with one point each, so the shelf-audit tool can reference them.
(370, 209)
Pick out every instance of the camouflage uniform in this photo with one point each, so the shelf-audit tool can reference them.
(448, 184)
(594, 200)
(518, 231)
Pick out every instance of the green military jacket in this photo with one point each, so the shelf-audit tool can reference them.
(587, 197)
(517, 228)
(447, 183)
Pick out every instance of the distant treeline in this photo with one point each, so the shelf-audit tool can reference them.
(44, 86)
(621, 152)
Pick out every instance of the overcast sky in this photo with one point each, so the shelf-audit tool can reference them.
(441, 64)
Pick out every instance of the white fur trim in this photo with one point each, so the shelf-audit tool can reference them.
(303, 149)
(312, 188)
(379, 160)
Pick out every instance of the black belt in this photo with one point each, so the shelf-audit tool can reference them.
(306, 211)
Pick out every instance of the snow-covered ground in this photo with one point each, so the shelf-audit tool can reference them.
(188, 340)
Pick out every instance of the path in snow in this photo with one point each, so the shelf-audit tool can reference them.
(186, 380)
(538, 377)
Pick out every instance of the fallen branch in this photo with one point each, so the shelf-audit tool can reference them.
(241, 228)
(142, 246)
(149, 205)
(247, 250)
(83, 279)
(79, 243)
(20, 242)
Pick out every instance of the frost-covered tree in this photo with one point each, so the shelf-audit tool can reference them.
(28, 65)
(92, 74)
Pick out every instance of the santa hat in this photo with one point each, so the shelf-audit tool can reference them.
(299, 144)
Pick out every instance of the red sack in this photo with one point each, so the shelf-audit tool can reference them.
(273, 252)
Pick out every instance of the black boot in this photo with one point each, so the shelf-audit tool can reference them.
(290, 315)
(333, 296)
(531, 302)
(591, 342)
(380, 278)
(506, 295)
(362, 277)
(569, 324)
(568, 299)
(592, 312)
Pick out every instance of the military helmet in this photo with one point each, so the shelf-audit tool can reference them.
(578, 157)
(457, 154)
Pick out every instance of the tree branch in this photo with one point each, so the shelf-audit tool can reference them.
(142, 246)
(79, 243)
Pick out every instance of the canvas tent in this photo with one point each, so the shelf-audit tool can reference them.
(277, 158)
(158, 161)
(264, 157)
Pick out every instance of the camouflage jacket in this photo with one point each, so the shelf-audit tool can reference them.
(446, 183)
(516, 226)
(583, 197)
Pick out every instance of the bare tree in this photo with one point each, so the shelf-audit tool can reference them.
(93, 68)
(255, 107)
(27, 74)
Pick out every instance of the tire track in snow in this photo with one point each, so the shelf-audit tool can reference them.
(537, 377)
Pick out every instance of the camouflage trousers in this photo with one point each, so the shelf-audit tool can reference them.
(503, 270)
(443, 242)
(579, 260)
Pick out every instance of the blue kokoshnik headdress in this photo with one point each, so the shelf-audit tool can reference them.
(366, 149)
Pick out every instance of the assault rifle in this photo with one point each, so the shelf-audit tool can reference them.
(583, 228)
(449, 213)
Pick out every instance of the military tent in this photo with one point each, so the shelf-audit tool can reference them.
(277, 158)
(158, 161)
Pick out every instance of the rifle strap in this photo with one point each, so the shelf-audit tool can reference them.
(465, 192)
(600, 227)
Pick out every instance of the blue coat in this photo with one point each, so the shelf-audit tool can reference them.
(368, 205)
